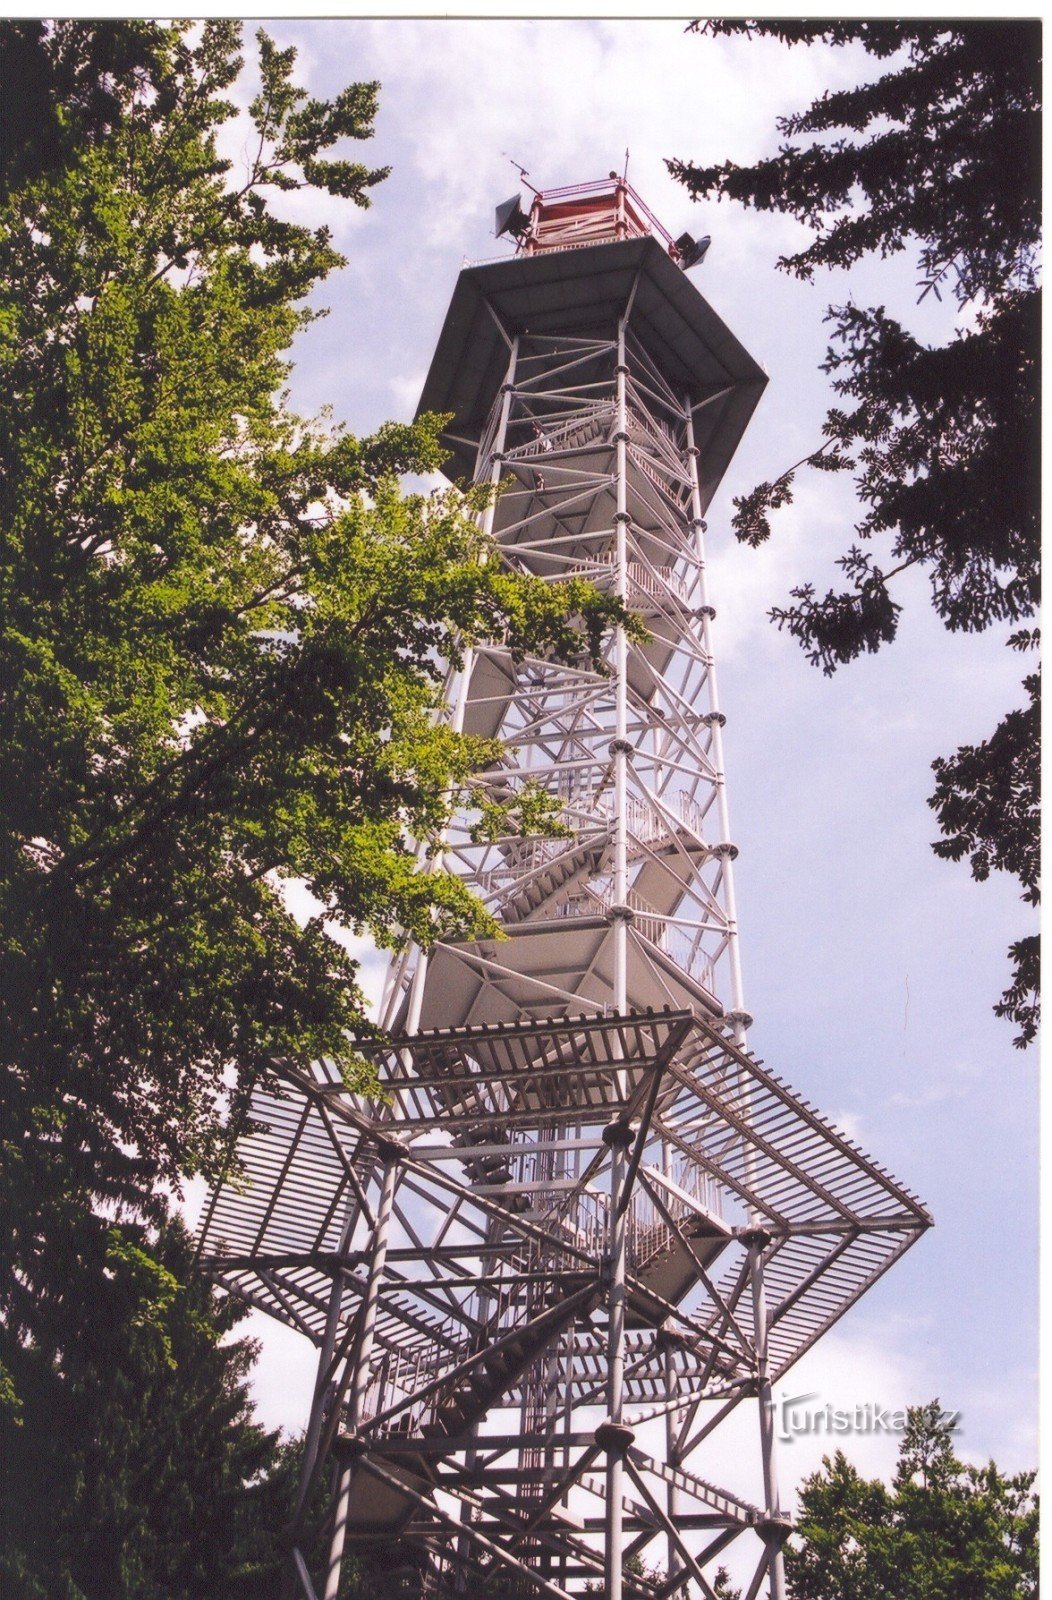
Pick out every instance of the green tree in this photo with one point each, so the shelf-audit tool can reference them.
(938, 154)
(131, 1465)
(222, 652)
(224, 626)
(942, 1531)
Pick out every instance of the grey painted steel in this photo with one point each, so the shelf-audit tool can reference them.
(359, 1369)
(574, 291)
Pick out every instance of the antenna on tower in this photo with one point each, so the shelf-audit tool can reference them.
(522, 171)
(511, 218)
(692, 250)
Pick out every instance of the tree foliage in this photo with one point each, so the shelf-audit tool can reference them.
(224, 627)
(130, 1464)
(224, 624)
(943, 1530)
(939, 154)
(988, 804)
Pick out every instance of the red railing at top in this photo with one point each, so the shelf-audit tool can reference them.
(605, 186)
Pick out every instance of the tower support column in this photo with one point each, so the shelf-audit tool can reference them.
(360, 1379)
(323, 1386)
(613, 1435)
(738, 1013)
(765, 1406)
(620, 745)
(458, 709)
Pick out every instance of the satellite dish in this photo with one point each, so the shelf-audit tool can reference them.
(691, 251)
(511, 218)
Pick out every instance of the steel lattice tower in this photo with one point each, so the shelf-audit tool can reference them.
(587, 1225)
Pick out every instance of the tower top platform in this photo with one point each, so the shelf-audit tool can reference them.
(585, 213)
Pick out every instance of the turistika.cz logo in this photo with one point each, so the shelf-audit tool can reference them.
(797, 1414)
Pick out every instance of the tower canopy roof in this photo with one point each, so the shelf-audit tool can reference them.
(585, 289)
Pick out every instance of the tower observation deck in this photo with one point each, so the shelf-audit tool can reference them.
(587, 1226)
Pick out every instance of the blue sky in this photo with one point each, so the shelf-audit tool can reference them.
(871, 966)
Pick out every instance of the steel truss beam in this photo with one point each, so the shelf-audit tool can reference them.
(552, 1249)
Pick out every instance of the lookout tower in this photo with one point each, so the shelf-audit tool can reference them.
(587, 1225)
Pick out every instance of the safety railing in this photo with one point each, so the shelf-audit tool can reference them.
(579, 429)
(651, 583)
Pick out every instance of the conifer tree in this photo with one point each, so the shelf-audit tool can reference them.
(938, 154)
(130, 1463)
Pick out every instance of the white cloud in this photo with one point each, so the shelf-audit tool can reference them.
(850, 1124)
(930, 1095)
(744, 583)
(406, 389)
(567, 98)
(858, 1375)
(283, 1377)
